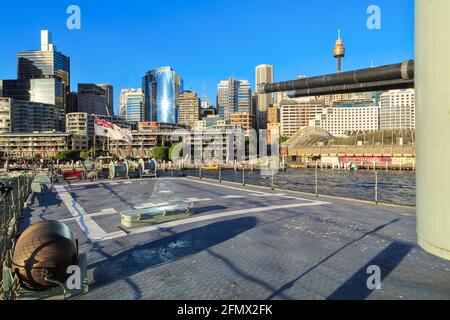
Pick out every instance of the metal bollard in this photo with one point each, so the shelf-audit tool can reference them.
(220, 173)
(376, 187)
(200, 172)
(317, 183)
(273, 180)
(243, 175)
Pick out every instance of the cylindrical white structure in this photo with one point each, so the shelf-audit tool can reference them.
(432, 79)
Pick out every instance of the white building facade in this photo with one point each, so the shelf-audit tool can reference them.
(397, 110)
(345, 117)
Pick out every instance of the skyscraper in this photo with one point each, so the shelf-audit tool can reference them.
(92, 99)
(132, 104)
(47, 72)
(188, 108)
(264, 74)
(233, 96)
(43, 76)
(109, 97)
(161, 88)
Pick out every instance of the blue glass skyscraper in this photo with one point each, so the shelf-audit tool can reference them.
(161, 88)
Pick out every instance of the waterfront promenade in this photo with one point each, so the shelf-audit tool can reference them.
(242, 243)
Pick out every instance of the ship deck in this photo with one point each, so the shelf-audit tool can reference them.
(241, 243)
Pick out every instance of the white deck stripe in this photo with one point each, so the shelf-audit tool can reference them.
(252, 192)
(92, 230)
(108, 212)
(210, 217)
(233, 197)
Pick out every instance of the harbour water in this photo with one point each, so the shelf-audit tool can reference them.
(394, 187)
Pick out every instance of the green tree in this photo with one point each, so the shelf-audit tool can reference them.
(283, 139)
(61, 155)
(86, 154)
(161, 153)
(68, 155)
(180, 152)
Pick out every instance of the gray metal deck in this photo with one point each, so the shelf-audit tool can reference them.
(242, 243)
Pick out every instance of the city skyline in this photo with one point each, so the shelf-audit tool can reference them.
(211, 54)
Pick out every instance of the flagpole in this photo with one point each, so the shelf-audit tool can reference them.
(94, 155)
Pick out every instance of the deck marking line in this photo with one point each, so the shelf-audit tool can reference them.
(93, 215)
(92, 230)
(250, 191)
(233, 197)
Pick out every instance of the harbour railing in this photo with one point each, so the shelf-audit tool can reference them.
(14, 192)
(377, 186)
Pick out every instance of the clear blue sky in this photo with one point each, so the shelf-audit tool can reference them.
(206, 40)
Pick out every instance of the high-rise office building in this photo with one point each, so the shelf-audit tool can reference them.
(188, 108)
(132, 104)
(44, 63)
(42, 75)
(161, 88)
(234, 96)
(397, 110)
(295, 115)
(109, 97)
(92, 98)
(264, 74)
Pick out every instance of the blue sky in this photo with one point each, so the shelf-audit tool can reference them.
(207, 40)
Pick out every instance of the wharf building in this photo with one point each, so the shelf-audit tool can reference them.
(344, 117)
(28, 145)
(81, 126)
(27, 117)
